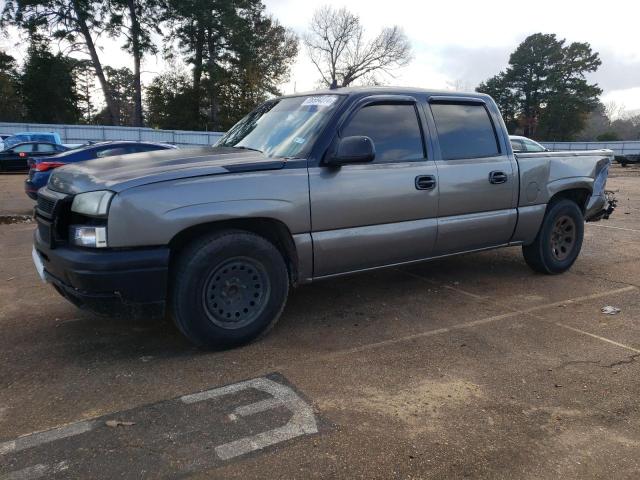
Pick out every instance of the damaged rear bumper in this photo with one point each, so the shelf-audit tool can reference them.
(600, 207)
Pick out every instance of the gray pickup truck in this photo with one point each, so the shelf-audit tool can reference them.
(307, 187)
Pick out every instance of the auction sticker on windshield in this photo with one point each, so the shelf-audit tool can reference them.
(320, 101)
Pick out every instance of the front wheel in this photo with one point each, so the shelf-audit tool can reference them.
(559, 240)
(230, 287)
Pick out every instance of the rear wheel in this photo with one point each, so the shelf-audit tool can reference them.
(230, 287)
(559, 240)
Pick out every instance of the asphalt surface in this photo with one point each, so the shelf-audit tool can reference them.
(469, 367)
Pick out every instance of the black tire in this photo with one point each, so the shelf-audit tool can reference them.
(252, 285)
(552, 252)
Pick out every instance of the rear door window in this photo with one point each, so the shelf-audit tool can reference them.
(394, 129)
(25, 147)
(465, 130)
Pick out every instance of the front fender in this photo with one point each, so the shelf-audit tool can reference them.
(153, 214)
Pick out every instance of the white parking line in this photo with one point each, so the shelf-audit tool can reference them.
(38, 438)
(302, 422)
(614, 227)
(604, 339)
(36, 471)
(475, 323)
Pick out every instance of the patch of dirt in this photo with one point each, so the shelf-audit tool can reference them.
(417, 406)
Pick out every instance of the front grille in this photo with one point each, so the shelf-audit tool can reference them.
(46, 205)
(53, 212)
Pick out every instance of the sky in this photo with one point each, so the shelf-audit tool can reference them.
(459, 43)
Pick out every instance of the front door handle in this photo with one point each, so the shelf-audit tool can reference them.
(497, 176)
(425, 182)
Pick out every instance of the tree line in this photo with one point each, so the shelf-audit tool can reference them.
(237, 55)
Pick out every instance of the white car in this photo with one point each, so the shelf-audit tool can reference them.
(3, 136)
(525, 145)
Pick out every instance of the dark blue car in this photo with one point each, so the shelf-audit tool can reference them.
(40, 168)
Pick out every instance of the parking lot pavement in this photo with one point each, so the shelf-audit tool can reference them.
(467, 367)
(13, 200)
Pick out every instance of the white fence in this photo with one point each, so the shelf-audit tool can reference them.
(619, 148)
(97, 133)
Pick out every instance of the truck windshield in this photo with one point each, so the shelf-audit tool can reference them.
(282, 128)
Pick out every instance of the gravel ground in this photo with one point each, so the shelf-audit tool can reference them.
(472, 366)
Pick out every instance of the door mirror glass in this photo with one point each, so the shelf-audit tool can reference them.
(358, 149)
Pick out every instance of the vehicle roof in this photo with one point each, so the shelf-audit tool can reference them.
(36, 141)
(520, 137)
(388, 91)
(33, 133)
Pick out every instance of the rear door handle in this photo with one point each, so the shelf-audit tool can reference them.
(497, 176)
(425, 182)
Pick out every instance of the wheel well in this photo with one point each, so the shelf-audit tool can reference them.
(273, 230)
(578, 195)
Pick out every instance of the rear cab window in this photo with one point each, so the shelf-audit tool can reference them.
(532, 146)
(394, 129)
(465, 130)
(516, 145)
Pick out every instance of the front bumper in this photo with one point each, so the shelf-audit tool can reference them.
(112, 282)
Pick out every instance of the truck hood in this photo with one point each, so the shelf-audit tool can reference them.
(121, 172)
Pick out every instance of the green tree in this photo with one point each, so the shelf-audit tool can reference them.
(120, 81)
(48, 86)
(11, 106)
(237, 52)
(165, 101)
(263, 52)
(544, 87)
(499, 89)
(84, 77)
(136, 21)
(608, 137)
(72, 21)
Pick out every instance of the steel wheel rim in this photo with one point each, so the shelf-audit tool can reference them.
(236, 293)
(563, 237)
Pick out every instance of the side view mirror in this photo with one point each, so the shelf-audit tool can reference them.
(352, 150)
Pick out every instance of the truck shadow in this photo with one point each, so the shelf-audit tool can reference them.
(319, 317)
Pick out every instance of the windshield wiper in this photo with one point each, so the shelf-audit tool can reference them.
(242, 147)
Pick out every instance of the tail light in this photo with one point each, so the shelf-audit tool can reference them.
(22, 154)
(44, 166)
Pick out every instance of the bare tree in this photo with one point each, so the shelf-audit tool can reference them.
(337, 47)
(614, 110)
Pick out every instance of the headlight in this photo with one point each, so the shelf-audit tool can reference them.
(83, 236)
(93, 204)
